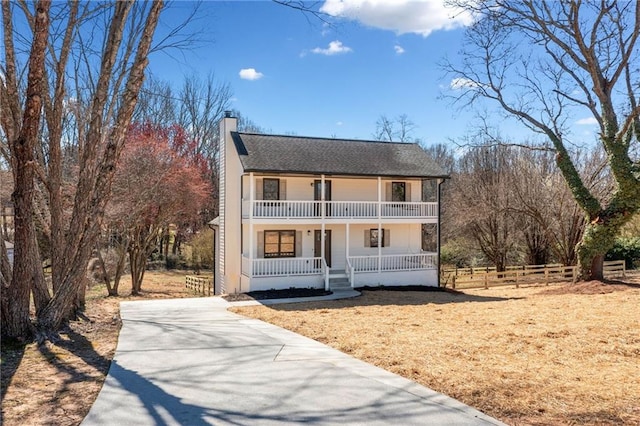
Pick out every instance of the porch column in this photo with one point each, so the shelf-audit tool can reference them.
(380, 234)
(252, 196)
(438, 270)
(322, 208)
(379, 197)
(346, 249)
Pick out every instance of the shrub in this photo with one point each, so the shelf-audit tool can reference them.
(627, 249)
(202, 250)
(172, 261)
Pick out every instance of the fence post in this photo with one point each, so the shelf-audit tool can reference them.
(546, 276)
(453, 282)
(516, 272)
(486, 280)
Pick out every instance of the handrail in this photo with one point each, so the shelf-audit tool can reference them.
(350, 273)
(326, 274)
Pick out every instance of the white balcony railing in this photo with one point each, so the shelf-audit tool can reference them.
(394, 262)
(338, 209)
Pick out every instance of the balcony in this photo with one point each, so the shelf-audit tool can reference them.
(338, 210)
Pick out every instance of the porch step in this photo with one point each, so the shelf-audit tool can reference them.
(339, 283)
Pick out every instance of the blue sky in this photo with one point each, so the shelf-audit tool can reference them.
(292, 74)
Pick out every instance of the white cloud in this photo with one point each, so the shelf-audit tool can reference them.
(399, 49)
(339, 123)
(401, 16)
(335, 47)
(588, 121)
(250, 74)
(462, 83)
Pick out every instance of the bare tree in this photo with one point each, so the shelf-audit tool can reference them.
(542, 62)
(399, 129)
(483, 203)
(21, 127)
(102, 106)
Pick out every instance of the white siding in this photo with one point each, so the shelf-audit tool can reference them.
(354, 189)
(342, 189)
(405, 238)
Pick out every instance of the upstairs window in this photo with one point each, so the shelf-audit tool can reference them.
(398, 192)
(271, 189)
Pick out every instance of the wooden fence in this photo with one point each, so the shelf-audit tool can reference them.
(526, 274)
(614, 268)
(200, 284)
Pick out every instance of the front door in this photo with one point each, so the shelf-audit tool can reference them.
(317, 235)
(317, 194)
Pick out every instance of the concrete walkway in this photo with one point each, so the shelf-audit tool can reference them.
(191, 362)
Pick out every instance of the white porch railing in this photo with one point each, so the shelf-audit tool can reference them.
(337, 209)
(393, 262)
(282, 266)
(354, 264)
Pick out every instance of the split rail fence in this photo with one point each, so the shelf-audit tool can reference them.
(200, 284)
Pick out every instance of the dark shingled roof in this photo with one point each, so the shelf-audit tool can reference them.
(299, 154)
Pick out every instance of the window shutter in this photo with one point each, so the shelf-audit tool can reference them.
(367, 238)
(283, 189)
(260, 244)
(387, 189)
(386, 242)
(298, 243)
(258, 189)
(407, 192)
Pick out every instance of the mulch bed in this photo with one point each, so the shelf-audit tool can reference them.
(276, 294)
(406, 288)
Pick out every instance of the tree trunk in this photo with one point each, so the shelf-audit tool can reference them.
(122, 260)
(27, 267)
(105, 275)
(598, 238)
(41, 295)
(137, 262)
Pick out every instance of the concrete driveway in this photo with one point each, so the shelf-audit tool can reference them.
(191, 362)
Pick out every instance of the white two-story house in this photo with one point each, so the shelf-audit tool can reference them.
(314, 212)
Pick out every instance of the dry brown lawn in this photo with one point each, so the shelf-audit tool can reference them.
(56, 384)
(538, 355)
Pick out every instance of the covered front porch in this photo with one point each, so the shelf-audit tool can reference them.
(394, 269)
